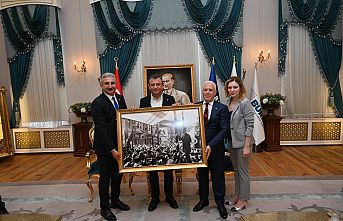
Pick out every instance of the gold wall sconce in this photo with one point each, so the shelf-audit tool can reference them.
(83, 67)
(262, 58)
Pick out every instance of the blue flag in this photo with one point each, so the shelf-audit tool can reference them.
(214, 80)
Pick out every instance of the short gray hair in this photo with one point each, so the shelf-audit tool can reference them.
(211, 83)
(105, 75)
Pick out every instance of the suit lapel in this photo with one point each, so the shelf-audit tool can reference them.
(214, 110)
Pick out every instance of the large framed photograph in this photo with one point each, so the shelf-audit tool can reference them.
(161, 138)
(178, 81)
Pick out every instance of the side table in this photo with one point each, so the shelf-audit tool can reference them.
(272, 133)
(82, 143)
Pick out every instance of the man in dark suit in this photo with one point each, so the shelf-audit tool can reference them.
(106, 146)
(216, 126)
(186, 145)
(158, 99)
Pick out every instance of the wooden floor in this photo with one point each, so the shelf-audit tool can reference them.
(291, 161)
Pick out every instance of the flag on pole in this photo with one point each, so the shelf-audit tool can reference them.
(234, 72)
(214, 80)
(258, 132)
(119, 89)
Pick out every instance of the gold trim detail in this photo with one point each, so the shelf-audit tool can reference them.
(293, 131)
(27, 140)
(326, 131)
(57, 139)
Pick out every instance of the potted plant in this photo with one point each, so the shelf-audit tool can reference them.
(272, 101)
(81, 109)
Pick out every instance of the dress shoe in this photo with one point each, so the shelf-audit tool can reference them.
(3, 209)
(222, 211)
(120, 205)
(232, 201)
(200, 205)
(153, 204)
(239, 207)
(172, 202)
(108, 215)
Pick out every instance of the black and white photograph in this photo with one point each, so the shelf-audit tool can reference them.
(161, 138)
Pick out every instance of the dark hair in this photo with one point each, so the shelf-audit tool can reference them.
(155, 76)
(242, 92)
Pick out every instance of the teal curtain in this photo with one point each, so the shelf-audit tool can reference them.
(19, 70)
(23, 40)
(282, 41)
(329, 56)
(122, 39)
(216, 24)
(320, 17)
(126, 53)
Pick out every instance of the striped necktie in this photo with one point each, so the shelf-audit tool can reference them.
(116, 106)
(206, 114)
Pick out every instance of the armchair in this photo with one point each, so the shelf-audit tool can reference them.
(94, 169)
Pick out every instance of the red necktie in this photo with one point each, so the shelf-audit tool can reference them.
(206, 114)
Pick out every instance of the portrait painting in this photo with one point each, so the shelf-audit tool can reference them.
(178, 81)
(161, 138)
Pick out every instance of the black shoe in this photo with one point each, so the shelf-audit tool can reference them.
(153, 204)
(172, 202)
(3, 209)
(222, 211)
(200, 205)
(108, 215)
(120, 205)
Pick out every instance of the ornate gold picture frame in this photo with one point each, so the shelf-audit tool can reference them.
(6, 148)
(161, 138)
(183, 79)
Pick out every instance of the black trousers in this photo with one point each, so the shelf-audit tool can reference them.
(109, 175)
(216, 167)
(155, 186)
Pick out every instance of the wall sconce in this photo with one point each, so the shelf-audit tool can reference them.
(263, 59)
(83, 67)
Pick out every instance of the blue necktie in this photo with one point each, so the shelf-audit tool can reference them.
(116, 106)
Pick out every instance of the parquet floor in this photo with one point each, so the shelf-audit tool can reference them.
(291, 161)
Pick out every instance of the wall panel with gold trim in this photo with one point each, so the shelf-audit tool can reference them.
(31, 140)
(317, 131)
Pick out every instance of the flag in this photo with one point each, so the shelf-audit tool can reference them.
(234, 72)
(119, 89)
(214, 80)
(258, 132)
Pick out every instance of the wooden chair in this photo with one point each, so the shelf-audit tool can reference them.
(94, 169)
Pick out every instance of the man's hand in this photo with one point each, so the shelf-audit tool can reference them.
(115, 154)
(208, 151)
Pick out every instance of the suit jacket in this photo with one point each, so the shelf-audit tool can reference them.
(216, 129)
(241, 122)
(105, 121)
(167, 101)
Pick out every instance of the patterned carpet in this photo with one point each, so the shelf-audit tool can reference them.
(70, 199)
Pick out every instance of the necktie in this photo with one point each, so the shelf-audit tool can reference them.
(116, 106)
(206, 114)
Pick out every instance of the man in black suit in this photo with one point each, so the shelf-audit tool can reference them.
(186, 145)
(158, 99)
(106, 146)
(216, 126)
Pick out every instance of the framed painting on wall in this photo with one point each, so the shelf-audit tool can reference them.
(178, 81)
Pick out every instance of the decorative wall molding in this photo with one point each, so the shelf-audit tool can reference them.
(12, 3)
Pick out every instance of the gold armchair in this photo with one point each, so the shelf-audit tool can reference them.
(94, 169)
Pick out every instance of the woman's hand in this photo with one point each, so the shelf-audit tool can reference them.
(246, 151)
